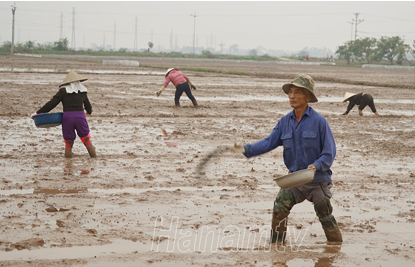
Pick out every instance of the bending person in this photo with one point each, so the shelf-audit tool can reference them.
(182, 84)
(362, 100)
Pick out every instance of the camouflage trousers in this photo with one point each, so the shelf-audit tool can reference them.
(318, 193)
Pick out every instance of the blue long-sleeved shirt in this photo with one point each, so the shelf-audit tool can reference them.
(309, 141)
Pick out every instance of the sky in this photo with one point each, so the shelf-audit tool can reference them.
(276, 25)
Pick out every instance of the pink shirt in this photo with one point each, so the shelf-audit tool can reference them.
(176, 77)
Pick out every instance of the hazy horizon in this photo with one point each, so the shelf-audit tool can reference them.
(288, 26)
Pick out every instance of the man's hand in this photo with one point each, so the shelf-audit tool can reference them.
(237, 148)
(193, 87)
(311, 166)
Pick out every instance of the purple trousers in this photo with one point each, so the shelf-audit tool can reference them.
(74, 120)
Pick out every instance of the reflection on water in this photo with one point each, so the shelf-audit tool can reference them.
(130, 190)
(283, 99)
(57, 191)
(117, 246)
(329, 253)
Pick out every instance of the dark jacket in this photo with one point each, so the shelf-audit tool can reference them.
(70, 102)
(362, 100)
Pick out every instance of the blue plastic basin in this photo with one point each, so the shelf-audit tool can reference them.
(46, 120)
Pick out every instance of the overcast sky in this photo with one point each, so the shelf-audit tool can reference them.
(289, 26)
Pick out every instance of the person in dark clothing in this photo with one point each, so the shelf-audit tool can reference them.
(73, 96)
(362, 100)
(182, 84)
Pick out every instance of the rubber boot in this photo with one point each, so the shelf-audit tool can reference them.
(328, 222)
(278, 229)
(87, 142)
(333, 234)
(68, 148)
(282, 206)
(195, 103)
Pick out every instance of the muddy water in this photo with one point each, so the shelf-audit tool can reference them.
(108, 211)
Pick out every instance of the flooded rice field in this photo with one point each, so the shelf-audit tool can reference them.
(141, 202)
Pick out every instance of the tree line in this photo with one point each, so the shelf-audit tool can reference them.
(392, 49)
(28, 46)
(369, 50)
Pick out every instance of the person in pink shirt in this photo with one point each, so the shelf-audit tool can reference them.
(182, 84)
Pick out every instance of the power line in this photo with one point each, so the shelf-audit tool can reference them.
(135, 35)
(357, 22)
(73, 30)
(351, 35)
(61, 29)
(13, 11)
(194, 30)
(115, 33)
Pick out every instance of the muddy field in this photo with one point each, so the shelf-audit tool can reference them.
(141, 202)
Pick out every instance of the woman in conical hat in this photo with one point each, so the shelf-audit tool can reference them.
(73, 96)
(362, 100)
(182, 84)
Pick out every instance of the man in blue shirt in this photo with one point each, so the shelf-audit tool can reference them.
(308, 143)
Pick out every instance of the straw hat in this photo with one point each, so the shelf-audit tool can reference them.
(347, 96)
(72, 76)
(170, 70)
(303, 81)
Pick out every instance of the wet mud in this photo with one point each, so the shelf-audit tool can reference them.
(157, 194)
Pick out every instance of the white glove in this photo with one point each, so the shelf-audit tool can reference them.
(33, 115)
(237, 148)
(161, 90)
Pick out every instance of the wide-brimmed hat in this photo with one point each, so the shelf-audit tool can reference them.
(167, 72)
(72, 76)
(303, 81)
(347, 96)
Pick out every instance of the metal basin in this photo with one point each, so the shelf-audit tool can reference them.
(295, 178)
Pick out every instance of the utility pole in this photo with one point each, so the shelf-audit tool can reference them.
(103, 45)
(61, 30)
(13, 11)
(73, 30)
(115, 36)
(357, 22)
(171, 40)
(176, 45)
(135, 35)
(194, 30)
(221, 46)
(351, 34)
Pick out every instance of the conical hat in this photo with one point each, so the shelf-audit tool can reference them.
(170, 70)
(347, 95)
(72, 76)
